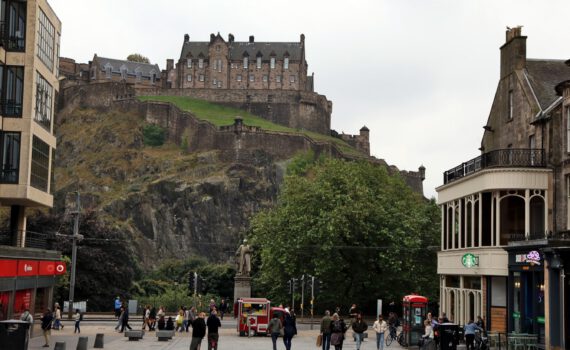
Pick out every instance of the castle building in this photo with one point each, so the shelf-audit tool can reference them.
(107, 69)
(221, 64)
(505, 230)
(29, 52)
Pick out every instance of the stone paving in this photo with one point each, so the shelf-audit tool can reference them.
(228, 339)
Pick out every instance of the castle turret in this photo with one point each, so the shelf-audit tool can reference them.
(422, 171)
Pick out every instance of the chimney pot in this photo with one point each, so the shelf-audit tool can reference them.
(186, 38)
(231, 38)
(251, 39)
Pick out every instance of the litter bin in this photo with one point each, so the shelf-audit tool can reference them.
(448, 336)
(14, 335)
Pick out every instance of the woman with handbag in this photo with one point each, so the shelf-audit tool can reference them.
(338, 328)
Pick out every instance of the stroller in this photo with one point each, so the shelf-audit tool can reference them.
(481, 341)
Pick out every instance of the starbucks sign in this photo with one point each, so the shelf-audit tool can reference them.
(470, 260)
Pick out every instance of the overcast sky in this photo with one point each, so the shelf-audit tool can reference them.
(421, 75)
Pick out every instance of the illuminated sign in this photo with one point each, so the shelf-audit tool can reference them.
(470, 260)
(532, 257)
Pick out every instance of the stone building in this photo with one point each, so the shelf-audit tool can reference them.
(29, 52)
(221, 64)
(505, 214)
(108, 69)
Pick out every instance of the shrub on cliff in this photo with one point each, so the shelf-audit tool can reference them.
(153, 135)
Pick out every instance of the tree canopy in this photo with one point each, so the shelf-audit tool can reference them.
(137, 57)
(360, 230)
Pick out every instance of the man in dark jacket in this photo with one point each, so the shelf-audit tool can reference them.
(359, 327)
(326, 330)
(198, 331)
(213, 324)
(47, 319)
(289, 329)
(125, 319)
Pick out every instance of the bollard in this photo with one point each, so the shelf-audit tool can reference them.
(82, 343)
(99, 341)
(60, 345)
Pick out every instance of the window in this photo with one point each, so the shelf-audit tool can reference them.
(233, 65)
(568, 202)
(214, 82)
(189, 77)
(40, 164)
(200, 63)
(265, 78)
(278, 78)
(10, 150)
(15, 26)
(189, 63)
(12, 90)
(238, 77)
(251, 78)
(219, 83)
(44, 97)
(258, 64)
(46, 35)
(152, 76)
(568, 129)
(286, 63)
(245, 63)
(201, 77)
(292, 78)
(218, 65)
(123, 72)
(510, 105)
(217, 48)
(139, 75)
(108, 71)
(272, 63)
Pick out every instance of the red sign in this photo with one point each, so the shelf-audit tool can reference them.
(8, 268)
(60, 267)
(28, 267)
(47, 268)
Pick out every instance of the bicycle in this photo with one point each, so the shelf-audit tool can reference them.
(391, 335)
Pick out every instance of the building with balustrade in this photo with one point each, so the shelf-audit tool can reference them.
(29, 51)
(505, 214)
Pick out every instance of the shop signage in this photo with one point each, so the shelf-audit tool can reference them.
(516, 314)
(470, 260)
(532, 257)
(14, 267)
(540, 319)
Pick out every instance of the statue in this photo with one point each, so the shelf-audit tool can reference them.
(243, 259)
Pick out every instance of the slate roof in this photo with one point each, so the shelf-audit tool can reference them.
(543, 76)
(132, 67)
(238, 48)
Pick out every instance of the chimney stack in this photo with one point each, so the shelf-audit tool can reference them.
(251, 39)
(212, 37)
(186, 38)
(513, 52)
(302, 38)
(231, 38)
(169, 64)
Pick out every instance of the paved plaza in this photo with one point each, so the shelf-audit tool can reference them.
(228, 339)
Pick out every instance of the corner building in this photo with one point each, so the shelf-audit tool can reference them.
(505, 214)
(29, 51)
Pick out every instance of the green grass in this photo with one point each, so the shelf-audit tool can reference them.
(221, 115)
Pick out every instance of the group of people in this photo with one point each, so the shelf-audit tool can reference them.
(432, 324)
(333, 328)
(52, 320)
(286, 327)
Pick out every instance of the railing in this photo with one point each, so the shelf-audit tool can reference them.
(10, 108)
(511, 157)
(33, 239)
(11, 42)
(560, 235)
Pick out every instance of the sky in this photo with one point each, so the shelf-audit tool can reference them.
(420, 74)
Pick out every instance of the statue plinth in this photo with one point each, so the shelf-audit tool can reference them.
(242, 287)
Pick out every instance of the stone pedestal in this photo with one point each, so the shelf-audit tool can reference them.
(242, 287)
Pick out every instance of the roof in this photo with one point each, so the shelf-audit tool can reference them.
(237, 49)
(415, 299)
(543, 76)
(146, 69)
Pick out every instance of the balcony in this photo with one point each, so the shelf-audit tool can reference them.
(33, 239)
(501, 158)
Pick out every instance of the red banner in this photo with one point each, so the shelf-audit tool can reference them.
(47, 268)
(8, 268)
(12, 268)
(60, 268)
(28, 267)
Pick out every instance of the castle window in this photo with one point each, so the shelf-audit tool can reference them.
(251, 77)
(292, 78)
(219, 83)
(245, 62)
(214, 82)
(189, 63)
(200, 63)
(153, 77)
(272, 63)
(278, 78)
(286, 63)
(201, 77)
(108, 72)
(258, 62)
(233, 65)
(217, 48)
(238, 77)
(139, 75)
(511, 107)
(568, 130)
(123, 72)
(189, 77)
(265, 78)
(219, 65)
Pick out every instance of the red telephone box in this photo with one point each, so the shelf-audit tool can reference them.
(414, 313)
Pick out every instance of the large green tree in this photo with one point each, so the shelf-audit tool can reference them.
(137, 57)
(353, 225)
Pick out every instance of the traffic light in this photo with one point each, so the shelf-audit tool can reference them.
(289, 287)
(318, 286)
(201, 285)
(295, 280)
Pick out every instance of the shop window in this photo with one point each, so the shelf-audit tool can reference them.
(4, 300)
(452, 281)
(22, 301)
(512, 218)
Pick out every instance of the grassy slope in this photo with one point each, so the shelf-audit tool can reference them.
(221, 115)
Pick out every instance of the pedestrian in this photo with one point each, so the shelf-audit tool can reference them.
(274, 328)
(161, 324)
(213, 324)
(77, 318)
(223, 308)
(161, 312)
(57, 315)
(326, 330)
(198, 331)
(380, 327)
(289, 329)
(359, 327)
(117, 307)
(427, 339)
(29, 319)
(146, 318)
(47, 320)
(152, 318)
(169, 324)
(180, 320)
(469, 331)
(125, 319)
(481, 324)
(338, 328)
(190, 317)
(120, 320)
(212, 305)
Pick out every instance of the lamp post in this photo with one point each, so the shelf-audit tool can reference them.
(76, 237)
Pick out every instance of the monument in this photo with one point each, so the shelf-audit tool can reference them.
(242, 285)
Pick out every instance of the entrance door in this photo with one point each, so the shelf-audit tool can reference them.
(528, 303)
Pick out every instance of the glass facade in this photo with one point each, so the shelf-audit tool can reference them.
(40, 164)
(44, 102)
(14, 25)
(10, 143)
(11, 91)
(46, 40)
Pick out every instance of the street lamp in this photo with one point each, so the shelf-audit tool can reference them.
(76, 237)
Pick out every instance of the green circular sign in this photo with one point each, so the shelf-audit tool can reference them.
(470, 260)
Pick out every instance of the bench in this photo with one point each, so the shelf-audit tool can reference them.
(134, 335)
(164, 335)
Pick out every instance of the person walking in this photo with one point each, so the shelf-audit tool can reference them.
(29, 319)
(359, 327)
(289, 329)
(152, 318)
(469, 331)
(198, 331)
(223, 308)
(326, 330)
(77, 318)
(117, 306)
(380, 327)
(47, 320)
(338, 328)
(213, 324)
(274, 328)
(428, 337)
(146, 318)
(57, 314)
(124, 320)
(180, 320)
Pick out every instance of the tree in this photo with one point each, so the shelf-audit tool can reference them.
(137, 57)
(360, 230)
